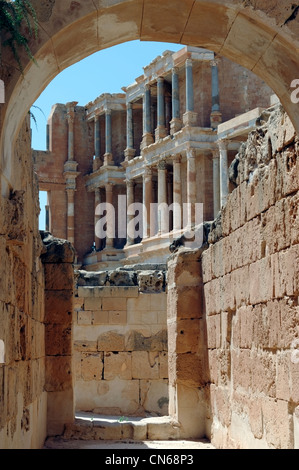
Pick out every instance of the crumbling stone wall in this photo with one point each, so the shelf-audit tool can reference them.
(23, 400)
(251, 286)
(120, 342)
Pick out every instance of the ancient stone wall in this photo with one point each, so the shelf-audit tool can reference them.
(23, 400)
(250, 275)
(120, 342)
(58, 259)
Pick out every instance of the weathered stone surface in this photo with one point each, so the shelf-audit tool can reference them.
(111, 341)
(151, 281)
(57, 250)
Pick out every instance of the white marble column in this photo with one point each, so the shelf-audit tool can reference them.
(147, 137)
(177, 193)
(97, 144)
(175, 123)
(216, 182)
(216, 115)
(130, 151)
(71, 120)
(190, 116)
(147, 200)
(108, 158)
(191, 186)
(130, 201)
(160, 131)
(163, 218)
(97, 201)
(109, 217)
(223, 150)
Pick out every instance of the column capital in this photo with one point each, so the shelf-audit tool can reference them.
(147, 172)
(215, 153)
(96, 118)
(161, 165)
(191, 153)
(177, 158)
(108, 111)
(223, 144)
(130, 183)
(160, 80)
(214, 62)
(189, 62)
(175, 69)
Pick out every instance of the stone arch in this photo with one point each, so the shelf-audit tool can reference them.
(253, 34)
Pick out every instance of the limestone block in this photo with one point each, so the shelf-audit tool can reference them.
(113, 291)
(163, 365)
(154, 396)
(263, 369)
(136, 340)
(57, 250)
(188, 335)
(292, 218)
(190, 370)
(59, 276)
(283, 383)
(151, 281)
(213, 331)
(246, 325)
(100, 317)
(241, 362)
(86, 278)
(277, 423)
(58, 340)
(85, 345)
(117, 365)
(92, 303)
(78, 303)
(221, 405)
(158, 302)
(188, 302)
(58, 373)
(58, 307)
(84, 318)
(261, 281)
(60, 411)
(91, 366)
(121, 278)
(114, 303)
(139, 303)
(240, 285)
(117, 317)
(111, 341)
(144, 366)
(123, 392)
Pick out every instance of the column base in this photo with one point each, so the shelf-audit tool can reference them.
(129, 153)
(216, 119)
(147, 139)
(190, 118)
(160, 133)
(175, 125)
(108, 159)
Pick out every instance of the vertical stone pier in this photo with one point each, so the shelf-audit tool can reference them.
(188, 378)
(59, 286)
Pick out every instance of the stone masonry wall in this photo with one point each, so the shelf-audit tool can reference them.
(23, 400)
(120, 343)
(251, 287)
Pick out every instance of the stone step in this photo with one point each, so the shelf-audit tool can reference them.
(89, 426)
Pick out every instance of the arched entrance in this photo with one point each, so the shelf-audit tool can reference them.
(70, 31)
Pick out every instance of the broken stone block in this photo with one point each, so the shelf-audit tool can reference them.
(151, 281)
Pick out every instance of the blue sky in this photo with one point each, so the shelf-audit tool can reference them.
(106, 71)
